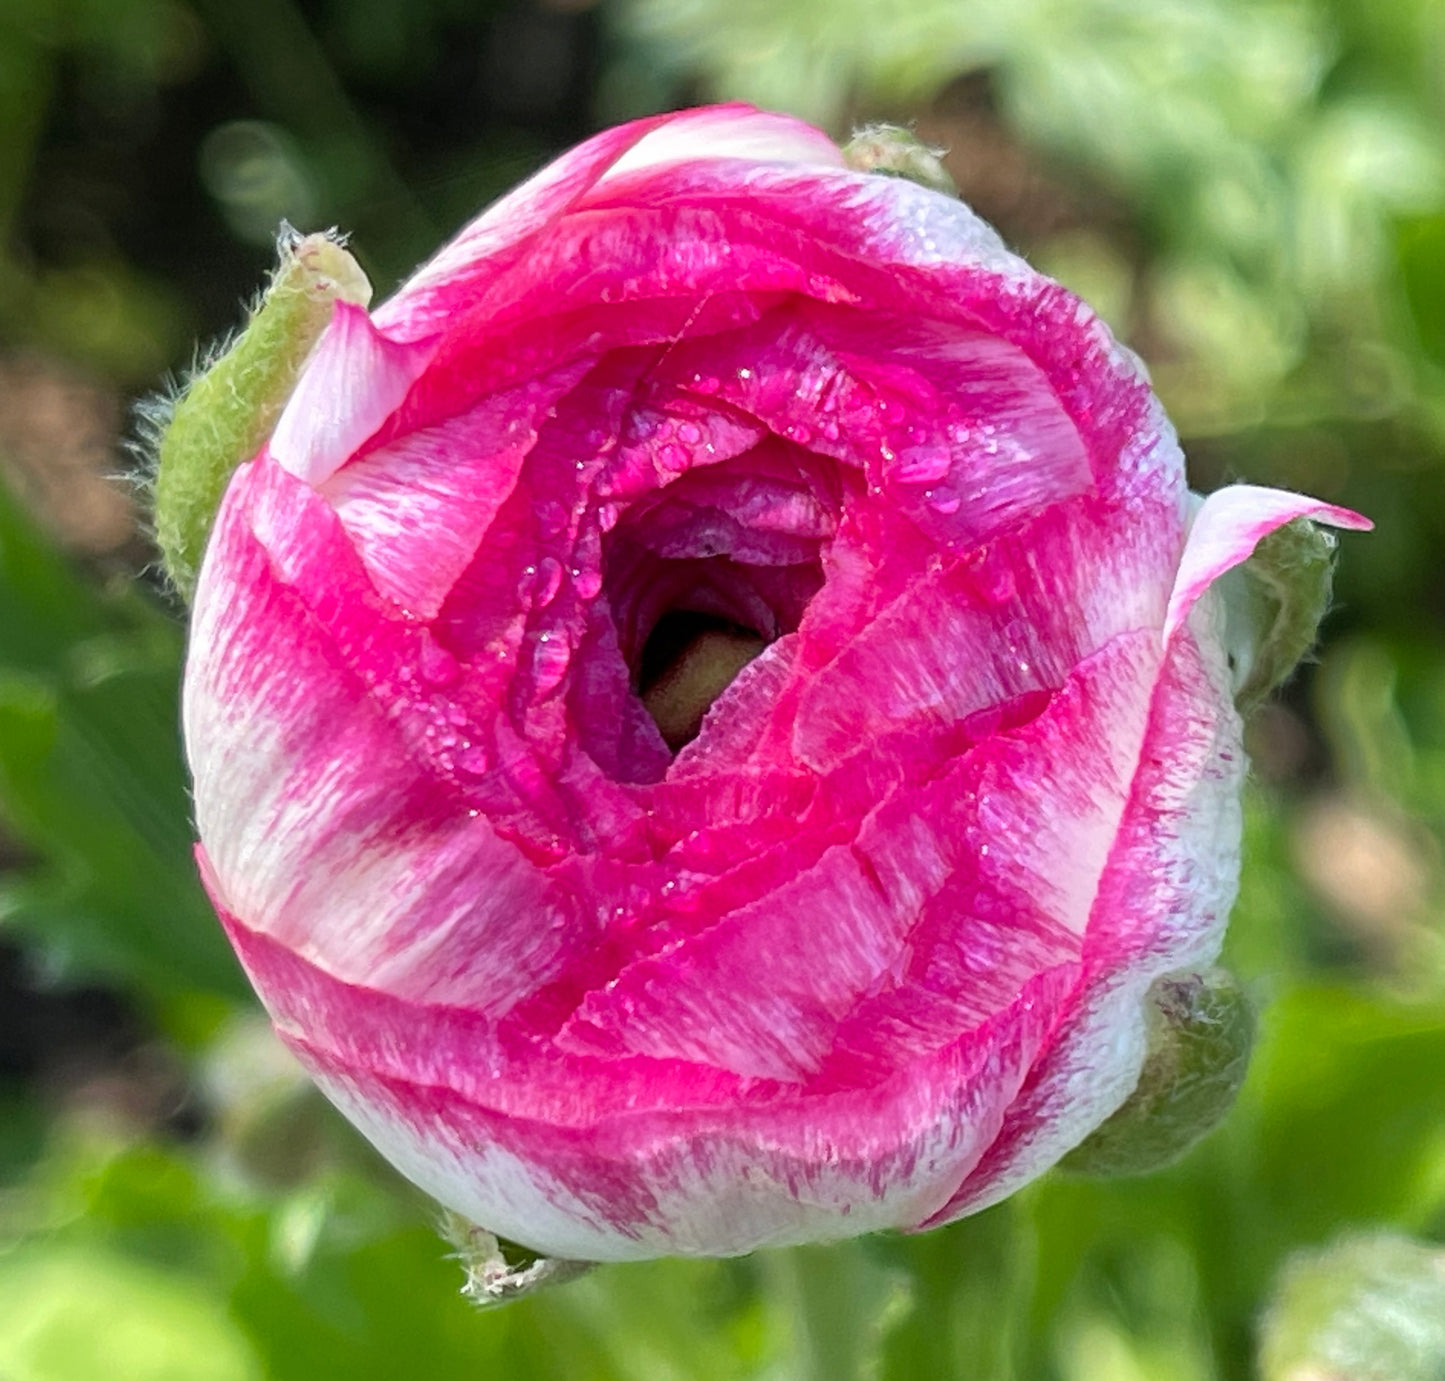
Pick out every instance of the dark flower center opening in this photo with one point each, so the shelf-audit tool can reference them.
(706, 573)
(688, 660)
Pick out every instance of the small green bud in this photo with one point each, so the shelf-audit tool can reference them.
(1273, 606)
(1366, 1308)
(898, 152)
(1201, 1031)
(230, 407)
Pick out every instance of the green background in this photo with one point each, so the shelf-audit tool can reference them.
(1253, 194)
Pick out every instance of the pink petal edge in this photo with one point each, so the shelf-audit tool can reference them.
(1228, 526)
(355, 379)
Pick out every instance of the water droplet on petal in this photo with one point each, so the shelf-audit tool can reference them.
(996, 583)
(689, 432)
(550, 659)
(923, 464)
(587, 582)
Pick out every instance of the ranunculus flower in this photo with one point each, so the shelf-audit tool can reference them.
(700, 419)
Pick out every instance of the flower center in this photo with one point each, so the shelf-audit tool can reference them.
(702, 577)
(689, 659)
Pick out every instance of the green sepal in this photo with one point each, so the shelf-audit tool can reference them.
(897, 152)
(1274, 603)
(1201, 1032)
(229, 408)
(499, 1272)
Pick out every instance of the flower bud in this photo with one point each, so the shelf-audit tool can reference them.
(226, 412)
(898, 152)
(1201, 1031)
(709, 712)
(1273, 606)
(1366, 1308)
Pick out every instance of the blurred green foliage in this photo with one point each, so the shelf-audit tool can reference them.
(1255, 196)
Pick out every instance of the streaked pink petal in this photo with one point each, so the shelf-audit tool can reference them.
(1162, 904)
(356, 378)
(1228, 527)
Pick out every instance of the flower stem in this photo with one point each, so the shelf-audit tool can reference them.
(834, 1296)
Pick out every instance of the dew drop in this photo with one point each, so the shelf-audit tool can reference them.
(996, 583)
(745, 374)
(943, 500)
(587, 582)
(923, 464)
(689, 433)
(550, 659)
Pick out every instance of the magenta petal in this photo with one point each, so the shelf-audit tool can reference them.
(1228, 527)
(356, 378)
(1162, 904)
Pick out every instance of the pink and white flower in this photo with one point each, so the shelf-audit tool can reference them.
(870, 949)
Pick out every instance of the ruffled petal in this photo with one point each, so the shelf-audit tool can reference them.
(454, 279)
(1162, 905)
(324, 826)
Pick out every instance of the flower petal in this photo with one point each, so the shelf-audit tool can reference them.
(356, 378)
(1162, 905)
(1228, 527)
